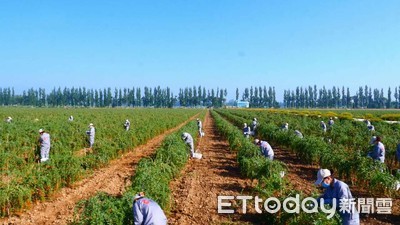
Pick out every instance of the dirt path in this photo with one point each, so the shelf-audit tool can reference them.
(112, 179)
(195, 193)
(302, 177)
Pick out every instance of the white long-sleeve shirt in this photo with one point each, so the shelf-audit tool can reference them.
(148, 212)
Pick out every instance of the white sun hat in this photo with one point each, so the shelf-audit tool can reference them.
(322, 173)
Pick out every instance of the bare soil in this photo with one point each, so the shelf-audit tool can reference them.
(196, 191)
(112, 179)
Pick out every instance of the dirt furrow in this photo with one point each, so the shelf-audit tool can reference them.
(195, 192)
(302, 177)
(112, 179)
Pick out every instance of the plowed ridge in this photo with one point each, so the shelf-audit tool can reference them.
(112, 179)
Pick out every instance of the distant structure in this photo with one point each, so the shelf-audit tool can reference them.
(242, 104)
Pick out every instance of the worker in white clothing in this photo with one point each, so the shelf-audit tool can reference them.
(127, 124)
(323, 126)
(189, 141)
(44, 142)
(246, 130)
(335, 192)
(266, 149)
(147, 211)
(200, 127)
(91, 133)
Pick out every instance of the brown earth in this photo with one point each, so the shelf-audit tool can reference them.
(196, 191)
(112, 179)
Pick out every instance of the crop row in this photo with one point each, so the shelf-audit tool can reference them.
(343, 148)
(152, 176)
(24, 181)
(268, 174)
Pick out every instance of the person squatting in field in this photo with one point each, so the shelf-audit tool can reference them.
(298, 133)
(9, 119)
(44, 141)
(91, 133)
(331, 122)
(246, 130)
(323, 126)
(200, 127)
(147, 211)
(71, 118)
(378, 150)
(254, 125)
(189, 141)
(266, 149)
(334, 191)
(285, 127)
(127, 124)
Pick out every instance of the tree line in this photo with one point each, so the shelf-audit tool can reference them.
(365, 97)
(259, 97)
(127, 97)
(198, 96)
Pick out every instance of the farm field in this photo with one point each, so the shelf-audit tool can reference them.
(186, 189)
(24, 181)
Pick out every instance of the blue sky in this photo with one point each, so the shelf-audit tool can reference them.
(230, 44)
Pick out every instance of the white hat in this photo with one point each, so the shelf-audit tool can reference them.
(41, 130)
(256, 141)
(373, 139)
(90, 124)
(185, 135)
(197, 119)
(245, 124)
(322, 173)
(138, 195)
(255, 119)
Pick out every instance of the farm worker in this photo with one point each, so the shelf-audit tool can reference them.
(398, 152)
(246, 130)
(71, 118)
(91, 132)
(9, 119)
(331, 122)
(200, 127)
(298, 133)
(254, 124)
(266, 149)
(189, 141)
(285, 127)
(127, 124)
(44, 141)
(371, 127)
(323, 126)
(147, 211)
(378, 151)
(335, 190)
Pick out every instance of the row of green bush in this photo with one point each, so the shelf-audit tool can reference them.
(332, 149)
(268, 173)
(23, 181)
(153, 175)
